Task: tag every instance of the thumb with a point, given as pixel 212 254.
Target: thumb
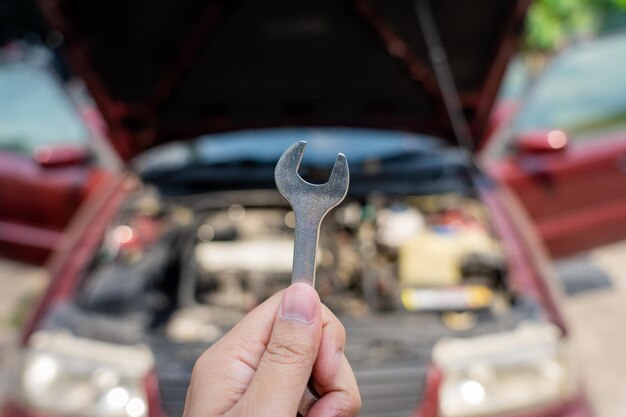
pixel 285 368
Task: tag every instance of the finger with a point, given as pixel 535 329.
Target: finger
pixel 222 373
pixel 339 398
pixel 286 365
pixel 331 347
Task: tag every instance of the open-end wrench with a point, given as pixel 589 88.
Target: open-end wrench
pixel 310 203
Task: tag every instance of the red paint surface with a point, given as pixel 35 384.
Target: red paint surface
pixel 38 202
pixel 577 197
pixel 83 238
pixel 155 407
pixel 529 269
pixel 429 406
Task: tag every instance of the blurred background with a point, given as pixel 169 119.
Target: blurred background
pixel 554 139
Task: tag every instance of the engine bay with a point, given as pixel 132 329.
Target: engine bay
pixel 194 268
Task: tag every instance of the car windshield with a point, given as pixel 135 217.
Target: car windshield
pixel 582 92
pixel 249 157
pixel 34 110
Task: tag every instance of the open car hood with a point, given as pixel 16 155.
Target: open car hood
pixel 164 70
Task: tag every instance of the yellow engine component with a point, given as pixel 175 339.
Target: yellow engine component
pixel 433 258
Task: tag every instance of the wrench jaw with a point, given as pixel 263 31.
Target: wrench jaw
pixel 288 180
pixel 286 172
pixel 337 185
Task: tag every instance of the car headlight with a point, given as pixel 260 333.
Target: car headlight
pixel 521 369
pixel 72 376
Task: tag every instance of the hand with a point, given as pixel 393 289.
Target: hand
pixel 262 366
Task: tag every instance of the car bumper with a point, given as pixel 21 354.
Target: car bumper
pixel 576 407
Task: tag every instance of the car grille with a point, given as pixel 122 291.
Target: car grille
pixel 387 391
pixel 173 389
pixel 389 358
pixel 390 364
pixel 390 391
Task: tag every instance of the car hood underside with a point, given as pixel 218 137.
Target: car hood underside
pixel 167 70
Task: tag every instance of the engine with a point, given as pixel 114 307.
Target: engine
pixel 210 261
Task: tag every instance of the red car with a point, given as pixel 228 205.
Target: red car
pixel 444 290
pixel 564 154
pixel 49 159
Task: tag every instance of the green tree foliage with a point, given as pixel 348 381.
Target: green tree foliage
pixel 551 23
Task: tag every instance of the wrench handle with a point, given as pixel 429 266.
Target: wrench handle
pixel 305 249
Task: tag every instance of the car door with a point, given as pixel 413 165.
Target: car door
pixel 43 177
pixel 574 183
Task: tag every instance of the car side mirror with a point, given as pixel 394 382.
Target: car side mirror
pixel 61 156
pixel 541 142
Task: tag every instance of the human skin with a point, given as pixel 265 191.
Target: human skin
pixel 262 366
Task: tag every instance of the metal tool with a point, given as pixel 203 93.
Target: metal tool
pixel 310 203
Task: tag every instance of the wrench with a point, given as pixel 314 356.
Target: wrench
pixel 310 203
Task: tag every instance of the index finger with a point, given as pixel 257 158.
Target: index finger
pixel 333 378
pixel 340 397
